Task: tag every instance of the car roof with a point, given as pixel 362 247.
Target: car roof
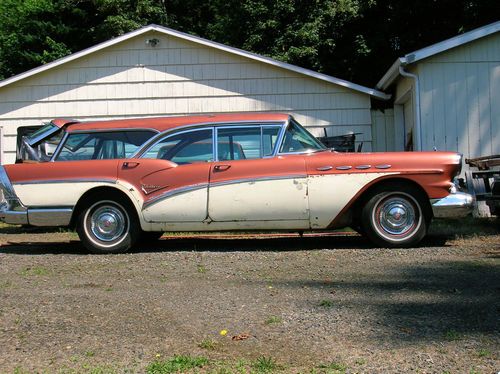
pixel 167 123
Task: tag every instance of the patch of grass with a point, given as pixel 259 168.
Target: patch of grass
pixel 265 365
pixel 201 269
pixel 272 320
pixel 99 369
pixel 326 303
pixel 360 361
pixel 35 271
pixel 334 367
pixel 5 284
pixel 209 344
pixel 452 335
pixel 483 353
pixel 108 289
pixel 176 364
pixel 89 354
pixel 20 370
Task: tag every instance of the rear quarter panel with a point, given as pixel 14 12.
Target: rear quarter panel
pixel 58 184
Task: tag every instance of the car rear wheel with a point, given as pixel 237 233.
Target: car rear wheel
pixel 396 216
pixel 108 225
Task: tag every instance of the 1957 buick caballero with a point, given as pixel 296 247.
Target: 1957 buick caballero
pixel 225 172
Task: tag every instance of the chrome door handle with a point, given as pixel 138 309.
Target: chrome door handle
pixel 221 167
pixel 130 165
pixel 325 168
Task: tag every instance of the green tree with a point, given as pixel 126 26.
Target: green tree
pixel 352 39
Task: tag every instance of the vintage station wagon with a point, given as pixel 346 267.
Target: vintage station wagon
pixel 260 171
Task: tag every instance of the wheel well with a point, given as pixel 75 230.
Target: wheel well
pixel 400 182
pixel 99 191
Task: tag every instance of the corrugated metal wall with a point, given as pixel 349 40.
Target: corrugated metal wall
pixel 132 79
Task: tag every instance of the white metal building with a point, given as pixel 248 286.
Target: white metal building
pixel 156 71
pixel 446 97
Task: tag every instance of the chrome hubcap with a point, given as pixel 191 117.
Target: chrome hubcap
pixel 397 216
pixel 108 223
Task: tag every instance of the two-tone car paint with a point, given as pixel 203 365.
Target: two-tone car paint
pixel 282 191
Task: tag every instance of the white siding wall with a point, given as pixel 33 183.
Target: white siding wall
pixel 132 79
pixel 460 96
pixel 383 130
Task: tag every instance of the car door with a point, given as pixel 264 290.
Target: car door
pixel 250 187
pixel 173 177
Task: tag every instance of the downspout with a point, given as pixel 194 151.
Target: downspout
pixel 418 131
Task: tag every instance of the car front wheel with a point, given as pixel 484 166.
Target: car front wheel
pixel 396 217
pixel 107 226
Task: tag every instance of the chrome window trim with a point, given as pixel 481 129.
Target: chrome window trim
pixel 67 134
pixel 250 126
pixel 116 129
pixel 160 139
pixel 155 138
pixel 300 152
pixel 276 145
pixel 59 147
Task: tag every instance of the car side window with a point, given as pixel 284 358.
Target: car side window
pixel 238 143
pixel 184 148
pixel 297 140
pixel 102 145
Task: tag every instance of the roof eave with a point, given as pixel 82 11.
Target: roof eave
pixel 390 75
pixel 453 42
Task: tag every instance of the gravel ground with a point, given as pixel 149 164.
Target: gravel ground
pixel 312 304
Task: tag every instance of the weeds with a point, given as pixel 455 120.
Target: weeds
pixel 35 271
pixel 326 303
pixel 176 364
pixel 265 365
pixel 272 320
pixel 452 335
pixel 483 353
pixel 201 269
pixel 334 367
pixel 209 344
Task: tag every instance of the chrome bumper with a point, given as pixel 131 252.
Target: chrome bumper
pixel 458 204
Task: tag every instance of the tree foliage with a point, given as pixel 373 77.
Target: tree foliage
pixel 352 39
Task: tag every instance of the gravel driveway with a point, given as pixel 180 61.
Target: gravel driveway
pixel 311 304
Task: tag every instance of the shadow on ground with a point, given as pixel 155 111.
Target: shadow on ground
pixel 212 244
pixel 441 301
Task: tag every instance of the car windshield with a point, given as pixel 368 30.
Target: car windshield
pixel 298 140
